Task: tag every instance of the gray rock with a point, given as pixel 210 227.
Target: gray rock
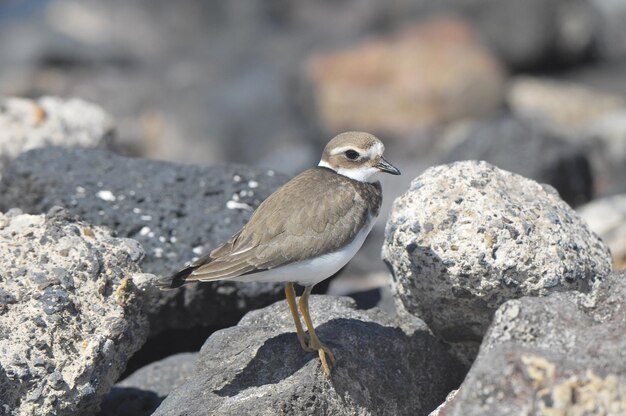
pixel 536 34
pixel 607 218
pixel 562 354
pixel 525 149
pixel 384 366
pixel 177 212
pixel 50 121
pixel 610 42
pixel 63 346
pixel 143 391
pixel 467 237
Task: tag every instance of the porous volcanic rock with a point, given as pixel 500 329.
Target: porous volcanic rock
pixel 177 212
pixel 523 148
pixel 466 237
pixel 561 354
pixel 71 312
pixel 384 366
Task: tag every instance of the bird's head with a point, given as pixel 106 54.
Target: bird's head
pixel 357 155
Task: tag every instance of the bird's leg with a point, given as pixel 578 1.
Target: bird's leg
pixel 290 293
pixel 315 343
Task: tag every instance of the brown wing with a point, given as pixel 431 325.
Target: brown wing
pixel 316 212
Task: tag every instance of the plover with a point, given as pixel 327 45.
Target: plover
pixel 304 232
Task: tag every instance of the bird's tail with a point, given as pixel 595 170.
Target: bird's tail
pixel 176 280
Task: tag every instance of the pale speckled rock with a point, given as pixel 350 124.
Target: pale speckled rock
pixel 564 354
pixel 177 212
pixel 607 218
pixel 521 147
pixel 50 121
pixel 143 391
pixel 385 366
pixel 71 313
pixel 466 237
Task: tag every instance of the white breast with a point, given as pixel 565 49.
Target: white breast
pixel 312 271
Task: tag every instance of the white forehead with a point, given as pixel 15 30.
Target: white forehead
pixel 373 151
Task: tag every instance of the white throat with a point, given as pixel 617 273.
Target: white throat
pixel 363 174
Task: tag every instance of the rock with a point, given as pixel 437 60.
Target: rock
pixel 71 315
pixel 586 116
pixel 563 354
pixel 50 121
pixel 536 34
pixel 605 140
pixel 607 218
pixel 562 106
pixel 427 75
pixel 384 366
pixel 467 237
pixel 177 212
pixel 525 149
pixel 442 406
pixel 610 39
pixel 144 390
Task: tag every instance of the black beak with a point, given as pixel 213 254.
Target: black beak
pixel 385 166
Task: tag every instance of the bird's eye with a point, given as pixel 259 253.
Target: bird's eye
pixel 351 154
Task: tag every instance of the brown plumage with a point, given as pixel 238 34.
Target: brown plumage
pixel 291 226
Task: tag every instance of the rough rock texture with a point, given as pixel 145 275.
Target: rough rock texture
pixel 560 355
pixel 607 218
pixel 384 366
pixel 523 148
pixel 467 237
pixel 429 74
pixel 50 121
pixel 143 391
pixel 70 312
pixel 177 212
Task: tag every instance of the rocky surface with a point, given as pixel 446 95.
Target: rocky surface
pixel 559 355
pixel 523 148
pixel 177 212
pixel 607 218
pixel 467 237
pixel 71 299
pixel 424 76
pixel 50 121
pixel 384 366
pixel 144 390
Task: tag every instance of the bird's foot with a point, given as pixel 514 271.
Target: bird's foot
pixel 305 342
pixel 323 351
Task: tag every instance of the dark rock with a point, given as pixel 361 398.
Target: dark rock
pixel 563 354
pixel 384 366
pixel 495 236
pixel 144 390
pixel 177 212
pixel 61 349
pixel 50 121
pixel 536 34
pixel 522 148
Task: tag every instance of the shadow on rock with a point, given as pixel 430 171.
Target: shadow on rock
pixel 281 353
pixel 129 401
pixel 369 355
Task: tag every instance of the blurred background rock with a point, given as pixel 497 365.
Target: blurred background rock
pixel 536 87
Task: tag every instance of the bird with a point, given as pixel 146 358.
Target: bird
pixel 304 232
